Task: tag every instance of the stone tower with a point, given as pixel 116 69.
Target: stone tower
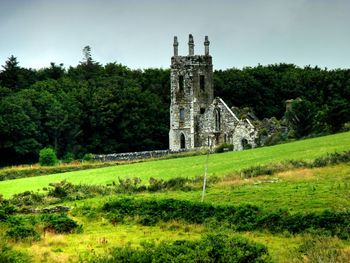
pixel 191 94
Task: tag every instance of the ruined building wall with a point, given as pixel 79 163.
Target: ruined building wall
pixel 191 91
pixel 196 118
pixel 244 133
pixel 216 125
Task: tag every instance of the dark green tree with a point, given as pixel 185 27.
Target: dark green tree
pixel 9 77
pixel 19 129
pixel 300 116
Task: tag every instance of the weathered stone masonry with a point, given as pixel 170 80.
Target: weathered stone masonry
pixel 196 118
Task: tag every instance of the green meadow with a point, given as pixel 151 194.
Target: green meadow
pixel 296 191
pixel 219 164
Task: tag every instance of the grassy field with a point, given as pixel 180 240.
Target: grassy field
pixel 298 190
pixel 99 235
pixel 219 164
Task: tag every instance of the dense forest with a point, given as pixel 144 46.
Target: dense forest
pixel 94 108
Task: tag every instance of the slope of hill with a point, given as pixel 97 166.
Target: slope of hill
pixel 297 215
pixel 219 164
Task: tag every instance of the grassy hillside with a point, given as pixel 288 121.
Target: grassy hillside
pixel 219 164
pixel 300 195
pixel 297 191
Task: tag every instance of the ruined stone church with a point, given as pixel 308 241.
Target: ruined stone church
pixel 197 119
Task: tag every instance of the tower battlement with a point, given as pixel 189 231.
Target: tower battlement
pixel 191 46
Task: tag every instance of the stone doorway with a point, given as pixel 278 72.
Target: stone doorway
pixel 182 141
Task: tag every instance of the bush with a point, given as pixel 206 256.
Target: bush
pixel 241 218
pixel 6 210
pixel 60 223
pixel 178 183
pixel 245 217
pixel 61 189
pixel 8 255
pixel 223 147
pixel 88 157
pixel 269 169
pixel 275 138
pixel 331 159
pixel 156 185
pixel 320 249
pixel 47 157
pixel 68 158
pixel 23 232
pixel 22 220
pixel 129 185
pixel 212 248
pixel 27 198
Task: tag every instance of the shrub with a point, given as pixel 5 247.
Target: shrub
pixel 320 249
pixel 60 223
pixel 27 198
pixel 47 157
pixel 212 248
pixel 331 159
pixel 274 221
pixel 129 185
pixel 68 157
pixel 22 220
pixel 241 218
pixel 9 255
pixel 156 185
pixel 61 189
pixel 23 232
pixel 148 220
pixel 223 147
pixel 276 138
pixel 88 157
pixel 245 217
pixel 254 171
pixel 6 210
pixel 269 169
pixel 178 183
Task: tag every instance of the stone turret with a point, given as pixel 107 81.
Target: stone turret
pixel 190 45
pixel 176 44
pixel 206 46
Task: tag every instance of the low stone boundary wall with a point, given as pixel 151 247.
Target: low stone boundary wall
pixel 132 155
pixel 55 209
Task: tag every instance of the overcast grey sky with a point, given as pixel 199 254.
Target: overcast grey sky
pixel 139 34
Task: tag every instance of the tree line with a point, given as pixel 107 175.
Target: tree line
pixel 321 97
pixel 95 108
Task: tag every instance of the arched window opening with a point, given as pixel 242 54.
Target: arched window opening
pixel 202 82
pixel 182 141
pixel 217 120
pixel 182 115
pixel 245 144
pixel 225 138
pixel 181 83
